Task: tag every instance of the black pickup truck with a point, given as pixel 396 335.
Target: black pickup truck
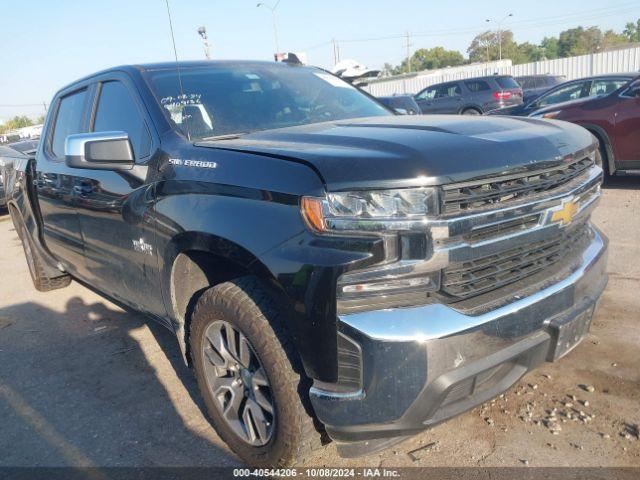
pixel 330 269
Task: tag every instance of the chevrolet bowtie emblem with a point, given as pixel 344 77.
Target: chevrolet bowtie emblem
pixel 566 214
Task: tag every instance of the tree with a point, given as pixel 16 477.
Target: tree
pixel 549 46
pixel 528 52
pixel 438 57
pixel 579 41
pixel 484 47
pixel 429 59
pixel 40 119
pixel 632 31
pixel 18 121
pixel 613 39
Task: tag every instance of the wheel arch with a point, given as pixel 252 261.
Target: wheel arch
pixel 603 137
pixel 198 261
pixel 475 107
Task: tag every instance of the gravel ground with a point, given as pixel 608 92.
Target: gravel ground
pixel 84 383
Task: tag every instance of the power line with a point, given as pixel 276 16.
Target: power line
pixel 535 23
pixel 21 105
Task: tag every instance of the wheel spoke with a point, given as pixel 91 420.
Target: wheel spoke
pixel 263 401
pixel 260 378
pixel 220 386
pixel 232 346
pixel 245 351
pixel 219 346
pixel 255 422
pixel 232 410
pixel 214 357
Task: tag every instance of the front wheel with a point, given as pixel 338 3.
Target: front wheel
pixel 249 375
pixel 471 111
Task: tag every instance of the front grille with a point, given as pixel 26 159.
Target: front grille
pixel 466 279
pixel 462 197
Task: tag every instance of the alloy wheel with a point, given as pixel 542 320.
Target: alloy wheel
pixel 239 383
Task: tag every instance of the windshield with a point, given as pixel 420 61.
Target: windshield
pixel 227 100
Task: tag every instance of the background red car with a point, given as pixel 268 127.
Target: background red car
pixel 614 119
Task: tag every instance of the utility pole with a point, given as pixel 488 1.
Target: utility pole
pixel 499 24
pixel 202 31
pixel 335 51
pixel 408 53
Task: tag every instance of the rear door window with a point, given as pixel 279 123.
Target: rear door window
pixel 507 83
pixel 117 111
pixel 68 120
pixel 449 90
pixel 477 86
pixel 606 86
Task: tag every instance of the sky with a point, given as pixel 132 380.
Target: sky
pixel 45 45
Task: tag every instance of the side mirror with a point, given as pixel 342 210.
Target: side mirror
pixel 634 91
pixel 401 111
pixel 99 151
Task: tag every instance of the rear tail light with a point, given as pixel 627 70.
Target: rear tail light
pixel 507 94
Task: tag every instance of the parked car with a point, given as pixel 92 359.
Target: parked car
pixel 28 147
pixel 571 90
pixel 472 96
pixel 8 154
pixel 535 85
pixel 401 104
pixel 614 119
pixel 325 265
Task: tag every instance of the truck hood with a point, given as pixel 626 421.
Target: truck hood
pixel 402 151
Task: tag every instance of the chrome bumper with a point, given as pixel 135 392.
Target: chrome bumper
pixel 425 364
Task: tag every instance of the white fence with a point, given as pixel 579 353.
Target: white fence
pixel 611 61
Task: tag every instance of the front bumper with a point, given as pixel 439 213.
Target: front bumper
pixel 425 364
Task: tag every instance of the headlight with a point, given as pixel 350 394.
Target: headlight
pixel 370 211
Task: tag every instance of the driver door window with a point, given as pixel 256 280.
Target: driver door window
pixel 564 94
pixel 118 112
pixel 428 94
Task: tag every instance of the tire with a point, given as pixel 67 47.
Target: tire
pixel 602 160
pixel 41 281
pixel 471 111
pixel 242 306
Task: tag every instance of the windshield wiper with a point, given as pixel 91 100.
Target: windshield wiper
pixel 228 136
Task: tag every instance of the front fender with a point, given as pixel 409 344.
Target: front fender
pixel 263 232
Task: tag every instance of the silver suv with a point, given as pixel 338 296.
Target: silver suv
pixel 472 96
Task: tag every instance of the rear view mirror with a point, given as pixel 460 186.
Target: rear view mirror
pixel 99 151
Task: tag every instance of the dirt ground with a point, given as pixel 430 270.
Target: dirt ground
pixel 84 383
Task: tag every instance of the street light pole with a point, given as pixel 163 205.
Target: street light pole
pixel 499 24
pixel 273 19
